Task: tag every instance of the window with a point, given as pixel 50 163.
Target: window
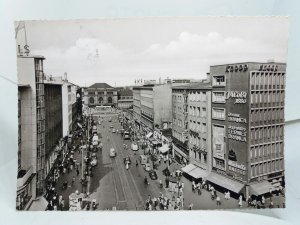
pixel 203 112
pixel 100 100
pixel 219 80
pixel 218 97
pixel 91 100
pixel 109 100
pixel 204 127
pixel 219 163
pixel 198 111
pixel 218 113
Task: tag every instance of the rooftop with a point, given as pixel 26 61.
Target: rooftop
pixel 100 85
pixel 271 62
pixel 194 86
pixel 125 92
pixel 167 132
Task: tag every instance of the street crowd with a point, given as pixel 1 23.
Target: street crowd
pixel 67 171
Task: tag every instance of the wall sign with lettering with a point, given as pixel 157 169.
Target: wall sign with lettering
pixel 268 67
pixel 236 68
pixel 240 97
pixel 237 133
pixel 235 117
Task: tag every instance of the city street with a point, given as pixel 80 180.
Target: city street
pixel 115 187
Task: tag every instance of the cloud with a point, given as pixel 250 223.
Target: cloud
pixel 91 60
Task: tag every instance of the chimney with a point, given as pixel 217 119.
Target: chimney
pixel 66 77
pixel 208 77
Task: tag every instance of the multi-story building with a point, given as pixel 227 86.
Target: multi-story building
pixel 180 127
pixel 191 127
pixel 199 121
pixel 125 98
pixel 40 131
pixel 53 124
pixel 100 94
pixel 248 126
pixel 150 109
pixel 32 153
pixel 137 107
pixel 70 94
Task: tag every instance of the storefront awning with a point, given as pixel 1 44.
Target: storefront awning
pixel 260 188
pixel 164 148
pixel 198 173
pixel 149 135
pixel 225 182
pixel 188 168
pixel 39 204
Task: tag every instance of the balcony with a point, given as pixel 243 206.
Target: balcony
pixel 23 177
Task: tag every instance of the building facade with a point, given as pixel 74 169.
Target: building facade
pixel 53 123
pixel 199 120
pixel 248 127
pixel 180 132
pixel 137 106
pixel 100 94
pixel 150 109
pixel 125 99
pixel 31 175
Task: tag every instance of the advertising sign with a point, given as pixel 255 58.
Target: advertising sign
pixel 218 142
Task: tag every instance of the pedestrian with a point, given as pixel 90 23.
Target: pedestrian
pixel 271 204
pixel 127 165
pixel 73 180
pixel 218 199
pixel 62 204
pixel 199 189
pixel 191 206
pixel 136 163
pixel 193 186
pixel 263 200
pixel 77 172
pixel 240 201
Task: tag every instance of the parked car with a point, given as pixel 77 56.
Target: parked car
pixel 111 126
pixel 127 159
pixel 143 159
pixel 126 135
pixel 147 167
pixel 113 131
pixel 112 152
pixel 153 175
pixel 134 147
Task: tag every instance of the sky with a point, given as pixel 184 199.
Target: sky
pixel 119 51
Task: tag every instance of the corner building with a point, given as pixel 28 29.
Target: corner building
pixel 248 127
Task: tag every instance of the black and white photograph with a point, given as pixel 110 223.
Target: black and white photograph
pixel 151 114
